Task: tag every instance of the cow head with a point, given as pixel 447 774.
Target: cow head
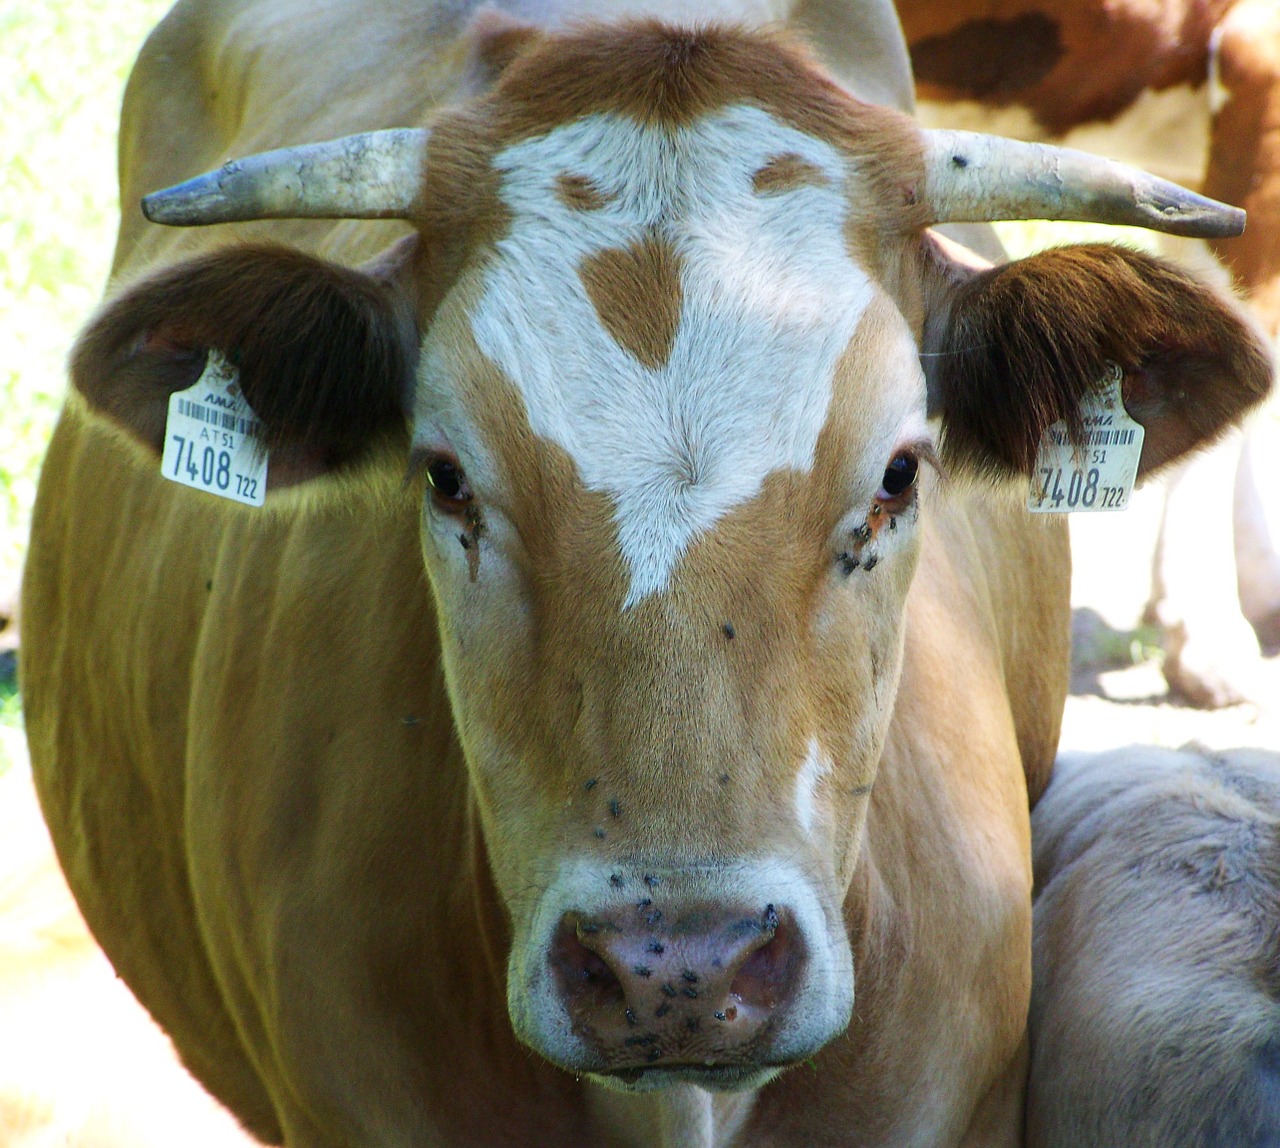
pixel 657 342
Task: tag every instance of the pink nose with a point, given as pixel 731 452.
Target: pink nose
pixel 679 985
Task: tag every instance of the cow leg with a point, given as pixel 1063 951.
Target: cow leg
pixel 1257 528
pixel 1244 148
pixel 1244 166
pixel 1211 652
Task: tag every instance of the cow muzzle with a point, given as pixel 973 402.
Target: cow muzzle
pixel 646 978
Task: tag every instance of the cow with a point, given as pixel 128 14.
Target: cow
pixel 645 629
pixel 1155 1014
pixel 1188 89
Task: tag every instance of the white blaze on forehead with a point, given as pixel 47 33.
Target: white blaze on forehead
pixel 770 300
pixel 813 769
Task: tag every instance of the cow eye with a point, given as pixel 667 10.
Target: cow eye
pixel 899 476
pixel 448 485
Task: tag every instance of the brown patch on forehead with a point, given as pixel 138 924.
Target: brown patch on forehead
pixel 637 295
pixel 462 213
pixel 658 74
pixel 785 173
pixel 579 193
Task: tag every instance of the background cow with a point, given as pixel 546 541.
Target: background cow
pixel 1190 90
pixel 714 689
pixel 1155 1015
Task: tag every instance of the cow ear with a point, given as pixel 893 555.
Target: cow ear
pixel 325 353
pixel 1011 349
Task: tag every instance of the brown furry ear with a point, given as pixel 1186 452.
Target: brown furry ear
pixel 1018 347
pixel 325 353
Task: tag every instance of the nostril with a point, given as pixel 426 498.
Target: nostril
pixel 765 977
pixel 712 978
pixel 584 975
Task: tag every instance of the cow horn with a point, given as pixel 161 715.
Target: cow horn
pixel 375 175
pixel 971 178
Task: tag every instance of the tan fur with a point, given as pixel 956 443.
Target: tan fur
pixel 1244 162
pixel 315 870
pixel 81 1064
pixel 579 193
pixel 636 293
pixel 1156 1013
pixel 785 173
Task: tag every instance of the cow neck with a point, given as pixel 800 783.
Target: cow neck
pixel 684 1116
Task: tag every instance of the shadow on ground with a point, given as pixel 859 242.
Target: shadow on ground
pixel 1098 649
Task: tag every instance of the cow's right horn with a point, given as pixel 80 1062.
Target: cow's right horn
pixel 375 175
pixel 971 178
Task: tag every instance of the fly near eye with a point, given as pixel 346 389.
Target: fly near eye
pixel 448 484
pixel 899 476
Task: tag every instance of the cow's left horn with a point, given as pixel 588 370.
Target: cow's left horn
pixel 375 175
pixel 971 178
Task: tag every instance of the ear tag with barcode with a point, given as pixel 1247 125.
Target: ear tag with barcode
pixel 1097 474
pixel 212 440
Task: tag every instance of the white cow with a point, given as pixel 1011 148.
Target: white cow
pixel 1155 1008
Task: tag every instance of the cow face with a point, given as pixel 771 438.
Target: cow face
pixel 713 701
pixel 673 422
pixel 657 343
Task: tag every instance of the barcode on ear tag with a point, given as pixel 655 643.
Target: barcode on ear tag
pixel 1099 473
pixel 212 441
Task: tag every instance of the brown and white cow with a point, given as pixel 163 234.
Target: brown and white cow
pixel 1190 89
pixel 1155 1014
pixel 556 793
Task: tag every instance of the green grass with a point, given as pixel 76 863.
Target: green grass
pixel 10 704
pixel 62 73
